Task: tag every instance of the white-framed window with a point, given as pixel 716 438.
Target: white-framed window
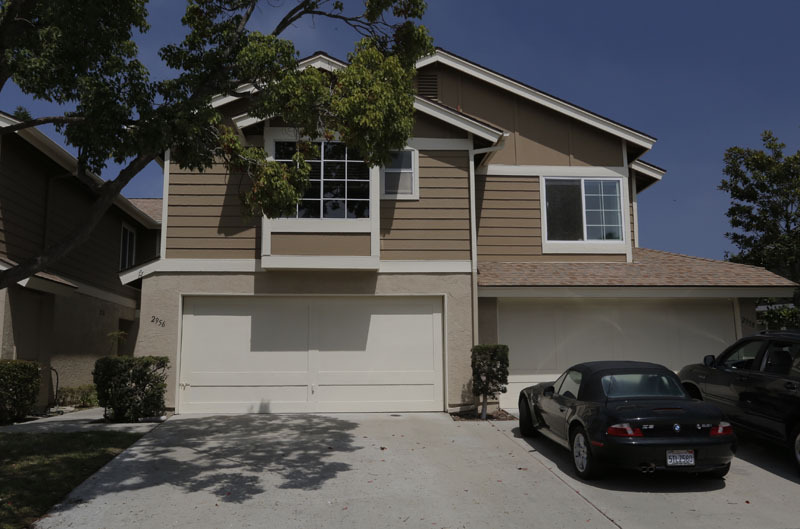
pixel 339 186
pixel 400 177
pixel 127 250
pixel 583 214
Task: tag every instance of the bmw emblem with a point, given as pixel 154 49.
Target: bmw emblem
pixel 676 428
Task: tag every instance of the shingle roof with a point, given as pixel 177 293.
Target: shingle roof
pixel 150 206
pixel 650 268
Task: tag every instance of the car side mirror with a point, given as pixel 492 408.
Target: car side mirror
pixel 548 391
pixel 708 360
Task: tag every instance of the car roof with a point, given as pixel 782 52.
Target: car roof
pixel 789 333
pixel 613 365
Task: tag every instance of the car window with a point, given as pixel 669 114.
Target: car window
pixel 744 356
pixel 571 385
pixel 780 358
pixel 641 385
pixel 557 383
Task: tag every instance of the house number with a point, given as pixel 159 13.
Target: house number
pixel 158 321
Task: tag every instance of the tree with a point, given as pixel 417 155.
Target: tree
pixel 764 186
pixel 81 53
pixel 489 372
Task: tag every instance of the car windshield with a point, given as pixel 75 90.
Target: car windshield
pixel 639 385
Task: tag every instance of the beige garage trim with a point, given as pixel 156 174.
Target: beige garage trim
pixel 546 336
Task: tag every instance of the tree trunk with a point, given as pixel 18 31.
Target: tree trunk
pixel 484 405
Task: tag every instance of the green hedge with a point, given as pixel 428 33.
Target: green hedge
pixel 489 372
pixel 19 387
pixel 80 397
pixel 131 388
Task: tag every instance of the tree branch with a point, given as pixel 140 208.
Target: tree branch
pixel 55 120
pixel 294 14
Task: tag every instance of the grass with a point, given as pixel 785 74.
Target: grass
pixel 37 470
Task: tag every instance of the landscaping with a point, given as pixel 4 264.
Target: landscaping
pixel 37 470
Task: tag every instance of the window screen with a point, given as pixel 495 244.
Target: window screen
pixel 564 216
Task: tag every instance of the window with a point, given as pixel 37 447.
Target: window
pixel 640 385
pixel 127 252
pixel 780 356
pixel 743 356
pixel 572 385
pixel 400 176
pixel 583 209
pixel 338 182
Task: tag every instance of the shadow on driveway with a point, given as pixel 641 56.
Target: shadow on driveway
pixel 771 457
pixel 232 457
pixel 624 480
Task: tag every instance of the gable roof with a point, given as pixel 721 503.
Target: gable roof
pixel 150 206
pixel 650 268
pixel 63 158
pixel 452 60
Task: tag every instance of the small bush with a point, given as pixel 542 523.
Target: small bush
pixel 131 388
pixel 80 397
pixel 489 372
pixel 19 387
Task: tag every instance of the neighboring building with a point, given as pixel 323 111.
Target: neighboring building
pixel 62 318
pixel 511 217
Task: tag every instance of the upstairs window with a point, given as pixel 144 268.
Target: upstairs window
pixel 338 182
pixel 400 176
pixel 583 209
pixel 127 253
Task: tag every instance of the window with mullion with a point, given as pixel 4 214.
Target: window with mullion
pixel 583 209
pixel 338 183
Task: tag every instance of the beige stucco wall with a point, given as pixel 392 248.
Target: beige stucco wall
pixel 487 320
pixel 161 297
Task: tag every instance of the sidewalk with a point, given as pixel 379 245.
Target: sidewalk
pixel 77 421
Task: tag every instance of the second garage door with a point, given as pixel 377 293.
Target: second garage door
pixel 321 354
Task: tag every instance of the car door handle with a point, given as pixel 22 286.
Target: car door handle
pixel 791 386
pixel 702 377
pixel 562 409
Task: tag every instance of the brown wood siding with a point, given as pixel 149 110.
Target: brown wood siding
pixel 204 216
pixel 322 244
pixel 539 135
pixel 428 127
pixel 437 225
pixel 29 220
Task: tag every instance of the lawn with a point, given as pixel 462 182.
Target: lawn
pixel 37 470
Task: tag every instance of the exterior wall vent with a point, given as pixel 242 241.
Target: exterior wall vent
pixel 428 85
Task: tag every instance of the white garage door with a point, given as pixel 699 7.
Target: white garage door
pixel 320 354
pixel 545 337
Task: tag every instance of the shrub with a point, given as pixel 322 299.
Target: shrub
pixel 131 388
pixel 489 372
pixel 19 387
pixel 81 397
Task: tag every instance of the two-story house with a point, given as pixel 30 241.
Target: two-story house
pixel 63 318
pixel 511 216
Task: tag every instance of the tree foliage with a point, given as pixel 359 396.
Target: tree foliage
pixel 82 54
pixel 489 372
pixel 764 187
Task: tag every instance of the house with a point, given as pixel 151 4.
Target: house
pixel 510 217
pixel 62 318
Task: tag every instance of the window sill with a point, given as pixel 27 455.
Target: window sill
pixel 588 247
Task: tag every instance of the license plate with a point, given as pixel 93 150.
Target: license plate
pixel 680 458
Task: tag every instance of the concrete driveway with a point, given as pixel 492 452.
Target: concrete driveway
pixel 398 470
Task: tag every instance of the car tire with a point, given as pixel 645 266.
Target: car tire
pixel 719 473
pixel 526 428
pixel 581 451
pixel 794 441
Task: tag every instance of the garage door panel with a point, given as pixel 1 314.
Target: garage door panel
pixel 312 354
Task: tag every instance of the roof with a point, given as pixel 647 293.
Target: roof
pixel 533 94
pixel 150 206
pixel 650 268
pixel 6 263
pixel 63 158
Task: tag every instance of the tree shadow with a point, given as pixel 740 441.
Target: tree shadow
pixel 234 458
pixel 624 480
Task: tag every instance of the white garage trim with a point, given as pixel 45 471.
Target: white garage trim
pixel 336 381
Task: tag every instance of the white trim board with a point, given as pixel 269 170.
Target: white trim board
pixel 634 292
pixel 536 96
pixel 647 169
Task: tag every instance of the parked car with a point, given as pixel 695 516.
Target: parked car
pixel 756 384
pixel 632 415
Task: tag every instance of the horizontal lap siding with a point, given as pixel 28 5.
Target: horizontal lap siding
pixel 204 216
pixel 509 218
pixel 436 226
pixel 322 244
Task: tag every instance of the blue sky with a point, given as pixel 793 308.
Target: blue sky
pixel 699 76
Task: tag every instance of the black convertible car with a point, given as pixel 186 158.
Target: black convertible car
pixel 629 415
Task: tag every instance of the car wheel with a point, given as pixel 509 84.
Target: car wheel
pixel 582 458
pixel 795 440
pixel 720 472
pixel 526 428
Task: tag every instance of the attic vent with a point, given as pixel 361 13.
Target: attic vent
pixel 428 85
